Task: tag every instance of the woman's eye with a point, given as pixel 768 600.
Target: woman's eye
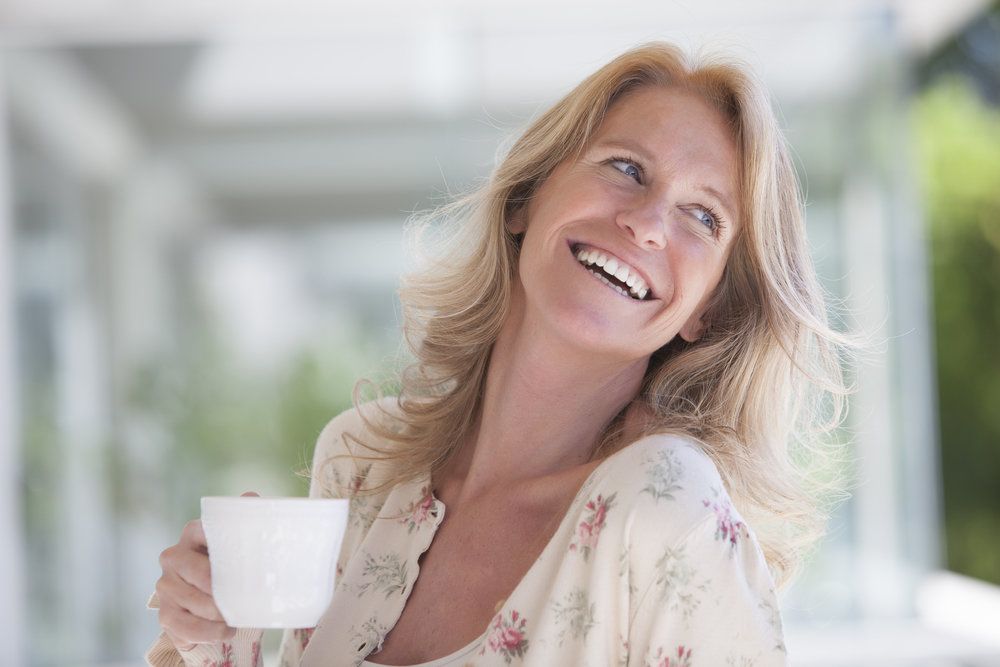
pixel 705 217
pixel 628 168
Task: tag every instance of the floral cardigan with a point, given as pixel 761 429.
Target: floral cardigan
pixel 650 566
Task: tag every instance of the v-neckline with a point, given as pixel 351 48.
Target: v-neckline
pixel 553 539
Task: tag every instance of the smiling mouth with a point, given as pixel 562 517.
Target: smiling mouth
pixel 609 272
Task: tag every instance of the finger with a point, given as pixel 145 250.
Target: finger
pixel 174 589
pixel 189 564
pixel 246 494
pixel 184 628
pixel 193 535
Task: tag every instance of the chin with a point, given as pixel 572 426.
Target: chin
pixel 594 330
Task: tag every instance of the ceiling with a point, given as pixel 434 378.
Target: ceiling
pixel 311 110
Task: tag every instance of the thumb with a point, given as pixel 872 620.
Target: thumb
pixel 249 493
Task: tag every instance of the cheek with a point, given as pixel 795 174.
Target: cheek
pixel 579 200
pixel 696 269
pixel 694 260
pixel 532 264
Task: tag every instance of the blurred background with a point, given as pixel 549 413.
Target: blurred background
pixel 201 213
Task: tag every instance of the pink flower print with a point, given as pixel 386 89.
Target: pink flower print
pixel 227 657
pixel 304 635
pixel 507 637
pixel 356 482
pixel 589 530
pixel 255 658
pixel 682 659
pixel 726 527
pixel 508 640
pixel 420 511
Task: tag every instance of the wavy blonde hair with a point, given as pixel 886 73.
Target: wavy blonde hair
pixel 757 391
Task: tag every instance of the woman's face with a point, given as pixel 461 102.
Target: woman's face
pixel 655 191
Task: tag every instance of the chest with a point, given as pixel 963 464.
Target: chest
pixel 475 561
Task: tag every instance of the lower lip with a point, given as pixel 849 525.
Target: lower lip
pixel 599 281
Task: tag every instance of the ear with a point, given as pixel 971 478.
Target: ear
pixel 516 223
pixel 699 321
pixel 694 327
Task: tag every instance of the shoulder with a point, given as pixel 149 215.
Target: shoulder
pixel 690 552
pixel 339 459
pixel 668 483
pixel 676 499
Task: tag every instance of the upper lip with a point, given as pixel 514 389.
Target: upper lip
pixel 628 258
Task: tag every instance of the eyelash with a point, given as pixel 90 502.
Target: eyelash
pixel 718 222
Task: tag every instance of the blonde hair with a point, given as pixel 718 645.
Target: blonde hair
pixel 757 390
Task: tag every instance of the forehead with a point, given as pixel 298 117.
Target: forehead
pixel 676 129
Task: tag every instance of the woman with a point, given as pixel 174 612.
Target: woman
pixel 610 362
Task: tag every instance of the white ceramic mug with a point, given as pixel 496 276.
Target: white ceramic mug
pixel 273 560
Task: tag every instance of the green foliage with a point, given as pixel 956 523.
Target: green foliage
pixel 230 428
pixel 960 162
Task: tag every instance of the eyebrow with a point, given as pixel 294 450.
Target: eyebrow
pixel 645 155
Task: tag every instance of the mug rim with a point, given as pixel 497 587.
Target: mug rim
pixel 273 499
pixel 215 504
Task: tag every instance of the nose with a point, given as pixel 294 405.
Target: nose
pixel 645 224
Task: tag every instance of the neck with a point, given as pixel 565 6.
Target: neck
pixel 544 408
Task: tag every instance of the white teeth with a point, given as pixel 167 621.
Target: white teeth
pixel 637 287
pixel 611 284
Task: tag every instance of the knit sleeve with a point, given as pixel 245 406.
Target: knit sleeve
pixel 241 651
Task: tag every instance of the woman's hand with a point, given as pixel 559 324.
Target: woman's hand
pixel 188 614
